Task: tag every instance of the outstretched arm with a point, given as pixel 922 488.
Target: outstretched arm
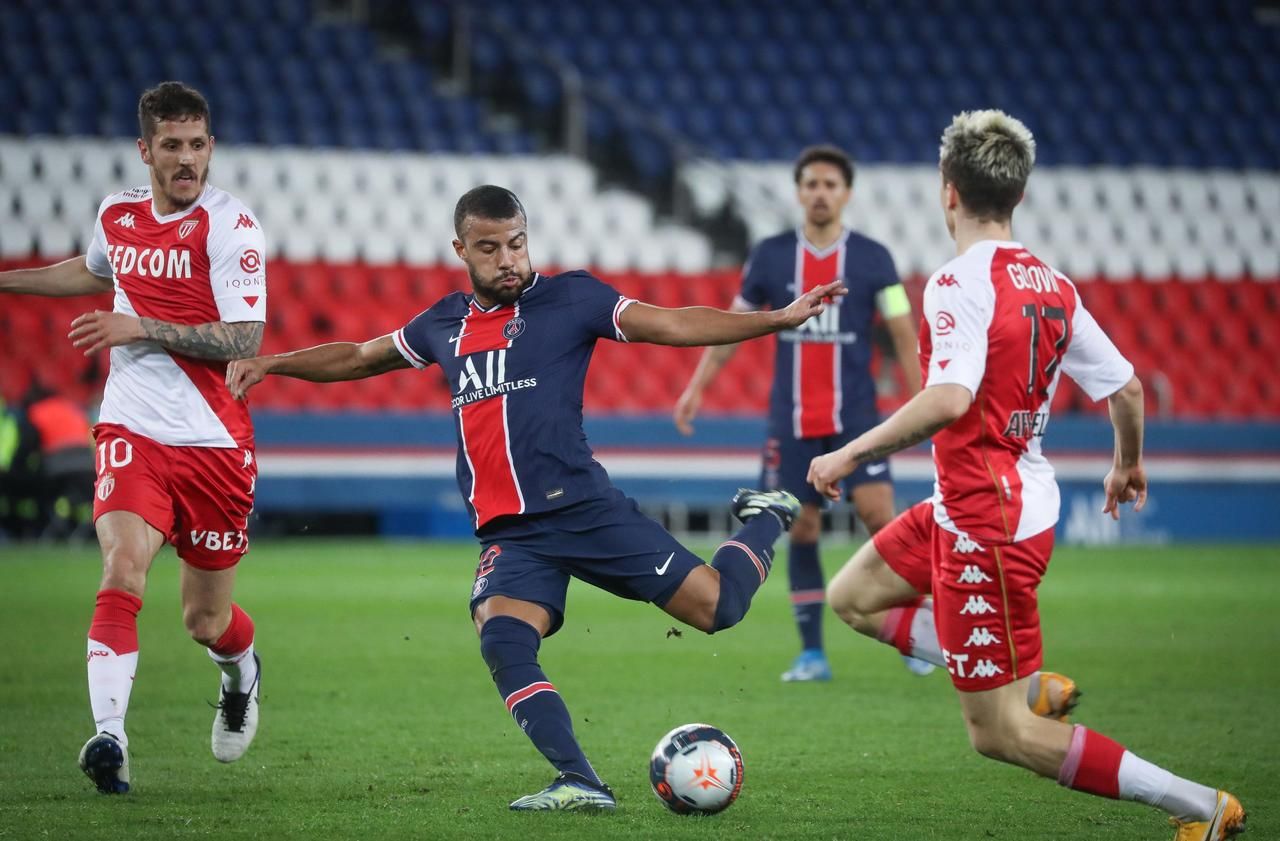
pixel 929 411
pixel 713 359
pixel 1127 481
pixel 96 330
pixel 693 326
pixel 320 364
pixel 61 280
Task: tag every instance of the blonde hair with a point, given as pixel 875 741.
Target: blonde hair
pixel 987 156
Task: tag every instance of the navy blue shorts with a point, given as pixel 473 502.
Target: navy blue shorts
pixel 606 542
pixel 786 464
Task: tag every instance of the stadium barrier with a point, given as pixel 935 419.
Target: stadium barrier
pixel 1211 481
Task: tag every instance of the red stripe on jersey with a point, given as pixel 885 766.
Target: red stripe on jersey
pixel 817 364
pixel 526 693
pixel 482 330
pixel 485 442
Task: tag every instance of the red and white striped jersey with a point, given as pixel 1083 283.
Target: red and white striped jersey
pixel 206 263
pixel 1004 325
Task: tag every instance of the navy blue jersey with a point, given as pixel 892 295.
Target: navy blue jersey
pixel 516 374
pixel 822 381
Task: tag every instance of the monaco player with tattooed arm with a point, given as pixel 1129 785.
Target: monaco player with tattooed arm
pixel 1000 327
pixel 515 354
pixel 175 457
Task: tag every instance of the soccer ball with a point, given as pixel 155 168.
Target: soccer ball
pixel 696 769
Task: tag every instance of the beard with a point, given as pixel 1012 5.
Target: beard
pixel 496 292
pixel 183 201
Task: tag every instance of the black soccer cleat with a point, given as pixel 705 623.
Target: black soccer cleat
pixel 105 761
pixel 748 503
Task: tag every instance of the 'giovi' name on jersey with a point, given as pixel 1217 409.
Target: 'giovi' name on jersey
pixel 486 378
pixel 824 327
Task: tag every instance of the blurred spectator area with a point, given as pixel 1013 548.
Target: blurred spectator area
pixel 1204 349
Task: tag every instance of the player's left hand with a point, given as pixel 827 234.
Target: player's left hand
pixel 826 471
pixel 1125 484
pixel 97 330
pixel 814 302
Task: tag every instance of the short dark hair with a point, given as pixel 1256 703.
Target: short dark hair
pixel 170 101
pixel 486 202
pixel 826 154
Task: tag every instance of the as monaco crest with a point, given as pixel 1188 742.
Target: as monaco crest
pixel 105 486
pixel 187 227
pixel 513 328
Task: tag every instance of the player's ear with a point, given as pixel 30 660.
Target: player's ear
pixel 145 151
pixel 460 250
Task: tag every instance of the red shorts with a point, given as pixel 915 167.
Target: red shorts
pixel 906 545
pixel 199 498
pixel 984 607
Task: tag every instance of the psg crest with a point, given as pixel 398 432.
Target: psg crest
pixel 513 328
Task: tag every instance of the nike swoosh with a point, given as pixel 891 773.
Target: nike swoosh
pixel 457 337
pixel 662 570
pixel 876 469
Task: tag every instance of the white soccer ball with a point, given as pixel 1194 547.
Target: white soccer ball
pixel 696 769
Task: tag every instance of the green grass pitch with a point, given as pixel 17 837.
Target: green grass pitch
pixel 379 719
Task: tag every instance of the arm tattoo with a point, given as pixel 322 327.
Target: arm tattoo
pixel 212 340
pixel 908 440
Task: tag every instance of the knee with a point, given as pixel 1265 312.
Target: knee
pixel 875 519
pixel 1001 740
pixel 846 606
pixel 506 641
pixel 703 613
pixel 205 625
pixel 124 569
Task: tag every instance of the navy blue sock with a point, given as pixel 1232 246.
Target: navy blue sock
pixel 744 561
pixel 510 647
pixel 804 573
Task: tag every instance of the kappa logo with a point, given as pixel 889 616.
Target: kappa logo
pixel 244 222
pixel 985 668
pixel 976 606
pixel 513 328
pixel 948 280
pixel 981 636
pixel 248 458
pixel 106 485
pixel 965 546
pixel 125 221
pixel 973 575
pixel 187 227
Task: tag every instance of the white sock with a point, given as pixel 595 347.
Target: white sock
pixel 239 671
pixel 1147 783
pixel 924 635
pixel 110 682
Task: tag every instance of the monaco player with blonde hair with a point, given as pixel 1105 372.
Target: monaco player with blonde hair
pixel 1000 328
pixel 175 457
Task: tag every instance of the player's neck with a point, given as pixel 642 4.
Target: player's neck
pixel 822 236
pixel 970 231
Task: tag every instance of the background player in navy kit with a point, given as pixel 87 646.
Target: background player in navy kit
pixel 516 352
pixel 823 392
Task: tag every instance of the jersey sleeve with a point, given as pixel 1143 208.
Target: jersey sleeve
pixel 958 313
pixel 95 256
pixel 411 341
pixel 597 305
pixel 1091 360
pixel 238 265
pixel 891 297
pixel 754 292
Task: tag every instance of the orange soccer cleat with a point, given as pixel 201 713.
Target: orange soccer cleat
pixel 1052 695
pixel 1228 821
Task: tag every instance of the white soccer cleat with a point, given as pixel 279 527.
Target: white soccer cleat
pixel 236 721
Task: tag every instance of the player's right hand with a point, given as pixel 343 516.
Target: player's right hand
pixel 1125 484
pixel 814 302
pixel 686 410
pixel 244 374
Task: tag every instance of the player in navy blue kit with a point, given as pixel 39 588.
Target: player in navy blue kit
pixel 515 352
pixel 823 392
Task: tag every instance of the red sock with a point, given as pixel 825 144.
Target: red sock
pixel 1092 764
pixel 115 621
pixel 896 630
pixel 237 637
